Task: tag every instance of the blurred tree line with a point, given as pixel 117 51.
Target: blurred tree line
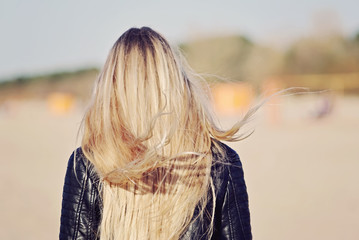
pixel 334 54
pixel 77 83
pixel 318 62
pixel 238 58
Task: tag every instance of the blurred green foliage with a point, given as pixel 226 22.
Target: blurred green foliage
pixel 78 83
pixel 56 76
pixel 234 58
pixel 231 58
pixel 237 58
pixel 333 54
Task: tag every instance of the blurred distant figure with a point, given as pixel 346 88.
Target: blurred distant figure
pixel 7 108
pixel 324 108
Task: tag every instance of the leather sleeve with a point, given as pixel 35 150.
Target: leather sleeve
pixel 235 223
pixel 80 212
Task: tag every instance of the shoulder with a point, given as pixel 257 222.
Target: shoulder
pixel 224 154
pixel 78 157
pixel 226 166
pixel 232 219
pixel 231 163
pixel 80 167
pixel 81 202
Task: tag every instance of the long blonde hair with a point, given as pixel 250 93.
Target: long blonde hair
pixel 150 137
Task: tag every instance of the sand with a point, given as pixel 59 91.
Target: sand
pixel 301 173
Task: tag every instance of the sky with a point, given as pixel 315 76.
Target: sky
pixel 46 36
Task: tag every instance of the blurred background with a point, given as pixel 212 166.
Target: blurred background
pixel 302 162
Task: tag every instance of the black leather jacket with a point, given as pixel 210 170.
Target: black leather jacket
pixel 81 203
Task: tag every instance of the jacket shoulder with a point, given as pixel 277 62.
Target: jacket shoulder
pixel 81 204
pixel 223 153
pixel 232 218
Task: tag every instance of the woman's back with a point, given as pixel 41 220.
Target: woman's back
pixel 82 207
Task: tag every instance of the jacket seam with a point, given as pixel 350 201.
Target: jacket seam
pixel 229 212
pixel 236 203
pixel 91 212
pixel 79 209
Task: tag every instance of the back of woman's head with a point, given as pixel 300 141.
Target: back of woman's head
pixel 144 107
pixel 148 135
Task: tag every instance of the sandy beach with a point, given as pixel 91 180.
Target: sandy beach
pixel 301 172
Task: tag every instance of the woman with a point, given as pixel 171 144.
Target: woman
pixel 151 164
